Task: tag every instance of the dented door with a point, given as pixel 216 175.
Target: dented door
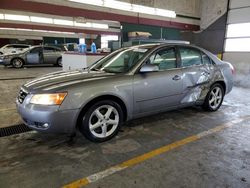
pixel 196 74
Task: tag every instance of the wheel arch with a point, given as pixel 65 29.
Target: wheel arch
pixel 18 58
pixel 222 83
pixel 101 98
pixel 58 58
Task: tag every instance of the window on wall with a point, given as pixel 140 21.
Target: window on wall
pixel 238 38
pixel 106 38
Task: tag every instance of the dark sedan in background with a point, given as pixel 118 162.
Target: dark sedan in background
pixel 33 56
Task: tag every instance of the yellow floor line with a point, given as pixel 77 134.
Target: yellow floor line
pixel 136 160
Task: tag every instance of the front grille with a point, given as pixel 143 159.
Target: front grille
pixel 21 96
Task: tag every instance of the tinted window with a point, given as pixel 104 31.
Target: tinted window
pixel 206 59
pixel 49 49
pixel 164 59
pixel 36 50
pixel 17 46
pixel 190 57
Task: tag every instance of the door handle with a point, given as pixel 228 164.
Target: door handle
pixel 176 77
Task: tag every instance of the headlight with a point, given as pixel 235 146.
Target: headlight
pixel 48 99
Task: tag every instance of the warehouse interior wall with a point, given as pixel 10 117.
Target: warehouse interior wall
pixel 211 38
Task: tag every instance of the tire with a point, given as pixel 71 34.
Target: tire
pixel 59 62
pixel 17 63
pixel 214 98
pixel 95 126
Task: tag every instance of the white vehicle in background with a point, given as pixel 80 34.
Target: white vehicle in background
pixel 13 48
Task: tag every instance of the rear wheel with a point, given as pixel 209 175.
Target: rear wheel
pixel 102 121
pixel 59 62
pixel 17 63
pixel 214 98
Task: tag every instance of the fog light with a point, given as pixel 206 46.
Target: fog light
pixel 45 125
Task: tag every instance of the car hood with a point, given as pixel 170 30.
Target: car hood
pixel 62 79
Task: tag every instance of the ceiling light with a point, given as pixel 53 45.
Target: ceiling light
pixel 17 17
pixel 117 5
pixel 165 13
pixel 143 9
pixel 41 19
pixel 100 26
pixel 90 2
pixel 128 7
pixel 77 24
pixel 1 16
pixel 63 22
pixel 36 30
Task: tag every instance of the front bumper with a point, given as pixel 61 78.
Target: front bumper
pixel 48 119
pixel 5 62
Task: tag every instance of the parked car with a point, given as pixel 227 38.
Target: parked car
pixel 129 83
pixel 33 56
pixel 13 48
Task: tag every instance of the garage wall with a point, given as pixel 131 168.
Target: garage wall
pixel 239 54
pixel 211 11
pixel 212 38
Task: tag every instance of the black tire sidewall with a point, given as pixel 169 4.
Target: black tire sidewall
pixel 58 62
pixel 84 125
pixel 206 104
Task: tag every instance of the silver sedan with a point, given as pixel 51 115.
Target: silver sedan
pixel 34 55
pixel 129 83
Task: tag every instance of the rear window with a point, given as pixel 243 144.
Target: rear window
pixel 190 57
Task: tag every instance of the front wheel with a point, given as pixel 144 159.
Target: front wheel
pixel 102 121
pixel 214 98
pixel 17 63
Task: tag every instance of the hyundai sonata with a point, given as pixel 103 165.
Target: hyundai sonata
pixel 126 84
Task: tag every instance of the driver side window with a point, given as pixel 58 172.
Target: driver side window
pixel 165 59
pixel 36 50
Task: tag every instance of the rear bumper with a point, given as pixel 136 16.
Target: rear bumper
pixel 48 119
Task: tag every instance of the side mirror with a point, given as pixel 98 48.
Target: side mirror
pixel 149 68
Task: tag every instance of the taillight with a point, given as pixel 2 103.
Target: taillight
pixel 232 68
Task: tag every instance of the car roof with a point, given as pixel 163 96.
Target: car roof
pixel 155 45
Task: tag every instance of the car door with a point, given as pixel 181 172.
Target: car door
pixel 35 56
pixel 49 55
pixel 159 90
pixel 195 73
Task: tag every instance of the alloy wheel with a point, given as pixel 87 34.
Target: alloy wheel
pixel 215 97
pixel 104 121
pixel 17 63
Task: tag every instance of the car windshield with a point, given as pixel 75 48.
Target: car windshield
pixel 120 61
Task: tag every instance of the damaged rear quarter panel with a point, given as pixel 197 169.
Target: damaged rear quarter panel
pixel 197 81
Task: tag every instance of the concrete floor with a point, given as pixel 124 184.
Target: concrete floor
pixel 10 86
pixel 220 160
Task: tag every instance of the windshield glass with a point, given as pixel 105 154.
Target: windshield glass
pixel 120 61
